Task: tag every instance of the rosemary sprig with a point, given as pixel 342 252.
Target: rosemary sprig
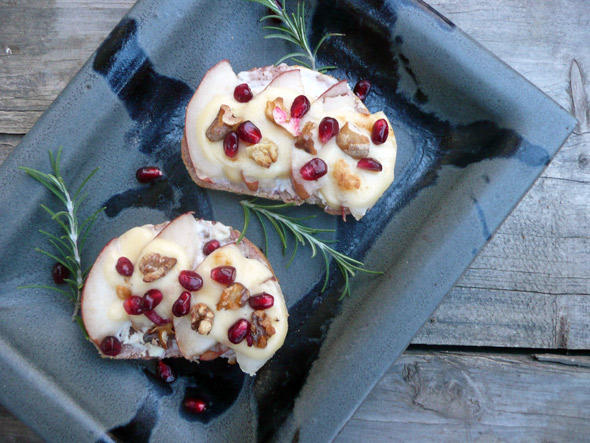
pixel 292 29
pixel 303 234
pixel 68 246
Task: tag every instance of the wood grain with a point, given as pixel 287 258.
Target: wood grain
pixel 475 397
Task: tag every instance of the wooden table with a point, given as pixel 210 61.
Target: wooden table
pixel 505 356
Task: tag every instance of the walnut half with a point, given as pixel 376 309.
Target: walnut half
pixel 202 318
pixel 305 139
pixel 234 296
pixel 353 142
pixel 223 124
pixel 261 328
pixel 153 266
pixel 264 153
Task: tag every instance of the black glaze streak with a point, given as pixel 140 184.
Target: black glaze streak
pixel 139 429
pixel 156 103
pixel 482 218
pixel 364 54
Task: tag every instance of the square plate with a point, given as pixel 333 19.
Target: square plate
pixel 472 134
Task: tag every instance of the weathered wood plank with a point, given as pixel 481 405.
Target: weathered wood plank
pixel 7 144
pixel 13 430
pixel 530 285
pixel 42 45
pixel 474 397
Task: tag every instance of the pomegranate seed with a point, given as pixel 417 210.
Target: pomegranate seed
pixel 151 299
pixel 165 372
pixel 248 132
pixel 211 246
pixel 261 301
pixel 370 164
pixel 300 106
pixel 110 346
pixel 194 405
pixel 182 305
pixel 329 128
pixel 243 93
pixel 362 89
pixel 59 273
pixel 133 305
pixel 154 317
pixel 380 131
pixel 230 144
pixel 314 169
pixel 124 266
pixel 190 280
pixel 148 174
pixel 224 274
pixel 238 331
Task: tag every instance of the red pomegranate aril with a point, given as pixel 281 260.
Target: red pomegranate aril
pixel 211 246
pixel 300 106
pixel 133 305
pixel 314 169
pixel 261 301
pixel 190 280
pixel 165 372
pixel 248 132
pixel 231 142
pixel 151 299
pixel 369 164
pixel 238 331
pixel 224 274
pixel 362 89
pixel 194 405
pixel 156 319
pixel 243 93
pixel 124 267
pixel 110 346
pixel 182 305
pixel 328 128
pixel 59 273
pixel 148 174
pixel 380 131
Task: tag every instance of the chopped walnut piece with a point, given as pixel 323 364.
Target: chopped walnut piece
pixel 235 296
pixel 202 318
pixel 153 266
pixel 264 153
pixel 261 328
pixel 305 139
pixel 223 124
pixel 123 292
pixel 164 334
pixel 345 179
pixel 353 142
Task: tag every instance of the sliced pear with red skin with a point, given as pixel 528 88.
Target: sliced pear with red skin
pixel 251 184
pixel 102 309
pixel 340 97
pixel 219 80
pixel 287 80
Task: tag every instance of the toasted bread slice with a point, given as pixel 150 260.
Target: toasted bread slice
pixel 271 165
pixel 161 255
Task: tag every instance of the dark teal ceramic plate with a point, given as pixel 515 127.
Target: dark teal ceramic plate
pixel 473 136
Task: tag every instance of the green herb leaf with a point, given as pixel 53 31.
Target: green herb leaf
pixel 305 235
pixel 292 29
pixel 68 246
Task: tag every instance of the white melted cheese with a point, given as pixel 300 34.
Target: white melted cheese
pixel 257 278
pixel 213 164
